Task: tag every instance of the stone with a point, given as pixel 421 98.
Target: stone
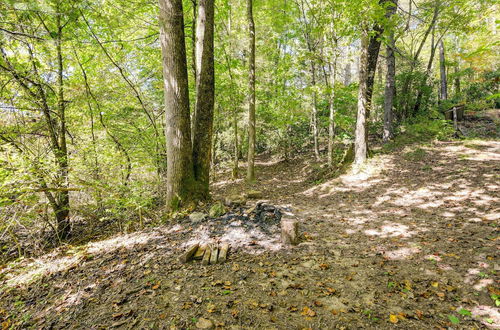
pixel 235 200
pixel 196 217
pixel 254 194
pixel 204 324
pixel 217 210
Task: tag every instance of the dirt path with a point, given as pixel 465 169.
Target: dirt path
pixel 411 246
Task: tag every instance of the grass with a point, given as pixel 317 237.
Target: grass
pixel 416 155
pixel 420 131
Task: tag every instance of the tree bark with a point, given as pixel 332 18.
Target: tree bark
pixel 331 117
pixel 314 115
pixel 180 177
pixel 251 91
pixel 443 95
pixel 360 147
pixel 390 90
pixel 61 153
pixel 390 83
pixel 370 48
pixel 347 74
pixel 205 87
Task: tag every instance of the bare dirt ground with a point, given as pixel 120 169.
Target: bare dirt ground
pixel 410 242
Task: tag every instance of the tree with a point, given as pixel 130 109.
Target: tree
pixel 390 80
pixel 181 186
pixel 205 88
pixel 49 100
pixel 251 93
pixel 370 47
pixel 443 95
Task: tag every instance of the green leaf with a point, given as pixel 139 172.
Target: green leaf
pixel 464 312
pixel 453 319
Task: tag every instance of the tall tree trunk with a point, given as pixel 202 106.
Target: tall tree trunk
pixel 331 117
pixel 405 103
pixel 457 82
pixel 443 95
pixel 61 153
pixel 370 48
pixel 194 3
pixel 180 177
pixel 360 147
pixel 390 82
pixel 251 91
pixel 314 115
pixel 347 73
pixel 390 89
pixel 234 113
pixel 423 82
pixel 205 86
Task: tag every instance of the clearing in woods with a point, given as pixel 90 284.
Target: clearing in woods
pixel 411 242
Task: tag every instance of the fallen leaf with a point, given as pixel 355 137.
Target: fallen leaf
pixel 393 318
pixel 306 311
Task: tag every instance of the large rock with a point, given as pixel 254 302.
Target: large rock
pixel 196 217
pixel 204 324
pixel 217 210
pixel 235 200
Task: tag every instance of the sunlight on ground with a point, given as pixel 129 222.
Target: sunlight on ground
pixel 391 230
pixel 356 179
pixel 254 240
pixel 488 315
pixel 40 267
pixel 123 241
pixel 51 263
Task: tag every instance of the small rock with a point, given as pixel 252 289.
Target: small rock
pixel 217 210
pixel 196 217
pixel 204 324
pixel 254 194
pixel 235 200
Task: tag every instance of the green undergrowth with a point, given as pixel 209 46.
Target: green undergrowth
pixel 420 131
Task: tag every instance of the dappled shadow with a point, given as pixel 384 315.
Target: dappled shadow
pixel 434 215
pixel 413 236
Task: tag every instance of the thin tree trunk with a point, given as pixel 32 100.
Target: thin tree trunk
pixel 314 115
pixel 61 153
pixel 390 81
pixel 331 117
pixel 423 82
pixel 96 170
pixel 457 82
pixel 181 185
pixel 442 69
pixel 347 73
pixel 360 147
pixel 205 87
pixel 251 96
pixel 404 104
pixel 390 89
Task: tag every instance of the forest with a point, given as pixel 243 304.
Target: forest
pixel 249 164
